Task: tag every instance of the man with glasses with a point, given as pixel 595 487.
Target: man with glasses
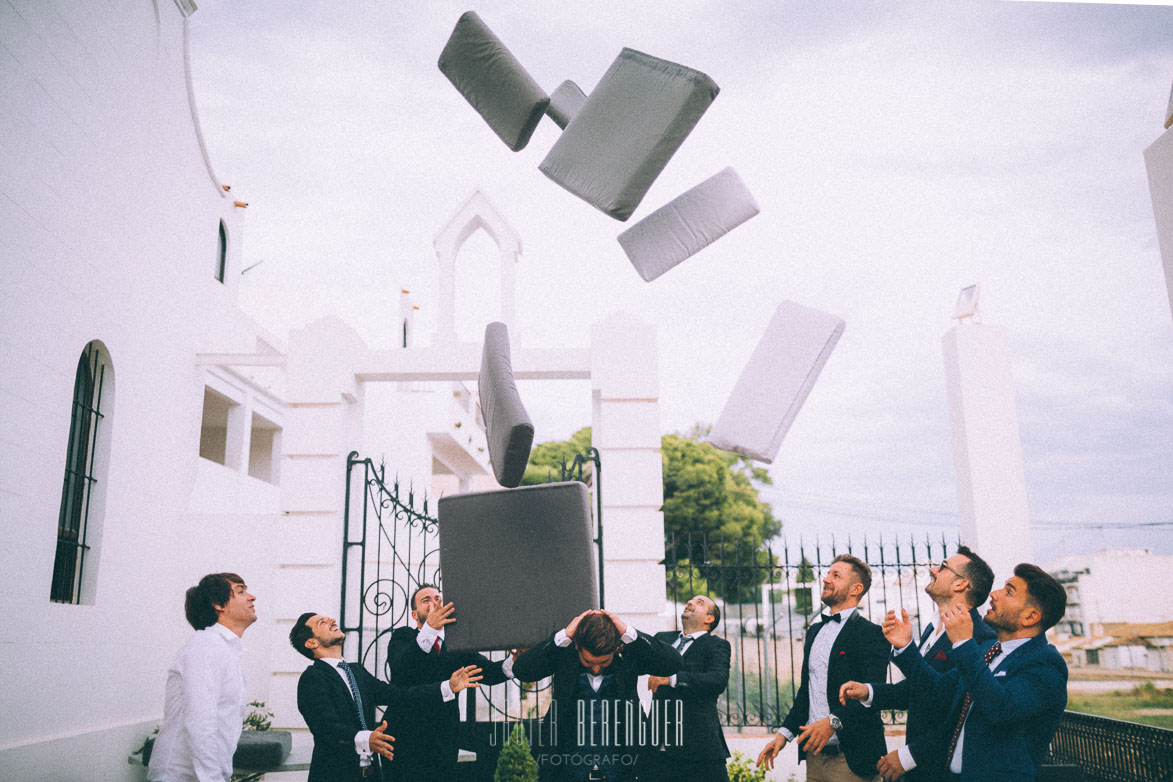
pixel 961 582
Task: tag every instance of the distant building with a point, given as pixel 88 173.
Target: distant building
pixel 1102 588
pixel 1124 646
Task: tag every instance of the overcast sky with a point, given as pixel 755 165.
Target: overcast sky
pixel 898 152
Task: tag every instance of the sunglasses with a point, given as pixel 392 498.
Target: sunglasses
pixel 946 566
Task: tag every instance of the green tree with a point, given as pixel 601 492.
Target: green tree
pixel 545 459
pixel 715 524
pixel 516 763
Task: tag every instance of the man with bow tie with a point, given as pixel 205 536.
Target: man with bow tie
pixel 692 694
pixel 426 738
pixel 962 582
pixel 839 742
pixel 1008 696
pixel 337 700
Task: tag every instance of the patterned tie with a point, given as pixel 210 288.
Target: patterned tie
pixel 436 646
pixel 362 720
pixel 990 654
pixel 681 642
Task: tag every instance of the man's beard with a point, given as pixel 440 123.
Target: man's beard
pixel 335 641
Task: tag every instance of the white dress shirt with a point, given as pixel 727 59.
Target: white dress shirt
pixel 817 665
pixel 203 710
pixel 563 640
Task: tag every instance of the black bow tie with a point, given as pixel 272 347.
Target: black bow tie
pixel 831 618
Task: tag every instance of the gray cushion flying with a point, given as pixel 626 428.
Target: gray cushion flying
pixel 493 81
pixel 565 102
pixel 776 381
pixel 500 550
pixel 688 224
pixel 508 428
pixel 625 133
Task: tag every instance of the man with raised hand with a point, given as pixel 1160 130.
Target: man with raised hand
pixel 960 581
pixel 840 742
pixel 690 696
pixel 204 704
pixel 426 747
pixel 337 701
pixel 591 729
pixel 1008 695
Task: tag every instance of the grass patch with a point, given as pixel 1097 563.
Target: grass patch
pixel 1135 705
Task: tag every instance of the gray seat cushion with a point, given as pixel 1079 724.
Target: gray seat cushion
pixel 565 102
pixel 688 224
pixel 777 380
pixel 503 549
pixel 490 78
pixel 628 129
pixel 508 428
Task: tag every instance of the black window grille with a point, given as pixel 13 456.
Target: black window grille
pixel 79 478
pixel 221 253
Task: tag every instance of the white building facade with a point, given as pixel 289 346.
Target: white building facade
pixel 1102 588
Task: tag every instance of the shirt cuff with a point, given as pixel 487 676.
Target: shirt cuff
pixel 561 638
pixel 362 742
pixel 867 702
pixel 789 736
pixel 959 643
pixel 672 680
pixel 446 691
pixel 507 667
pixel 906 759
pixel 629 635
pixel 427 637
pixel 899 651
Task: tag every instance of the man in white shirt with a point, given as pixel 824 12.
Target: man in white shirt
pixel 337 700
pixel 203 711
pixel 839 742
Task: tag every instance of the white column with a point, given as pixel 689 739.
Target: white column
pixel 322 426
pixel 1158 161
pixel 626 431
pixel 987 451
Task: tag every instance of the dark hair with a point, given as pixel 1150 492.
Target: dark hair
pixel 596 634
pixel 301 633
pixel 1044 592
pixel 716 613
pixel 214 589
pixel 979 575
pixel 419 589
pixel 862 571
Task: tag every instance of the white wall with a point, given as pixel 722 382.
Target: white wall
pixel 1108 591
pixel 109 221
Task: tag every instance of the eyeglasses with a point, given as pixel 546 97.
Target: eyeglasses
pixel 946 566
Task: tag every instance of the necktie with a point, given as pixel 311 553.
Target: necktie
pixel 362 720
pixel 990 654
pixel 681 642
pixel 436 647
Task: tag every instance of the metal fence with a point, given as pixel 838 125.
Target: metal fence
pixel 1108 750
pixel 770 596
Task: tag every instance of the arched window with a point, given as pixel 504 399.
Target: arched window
pixel 221 253
pixel 86 456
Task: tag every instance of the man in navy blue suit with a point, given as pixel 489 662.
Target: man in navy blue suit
pixel 1008 695
pixel 964 580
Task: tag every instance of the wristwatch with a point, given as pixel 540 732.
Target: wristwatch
pixel 836 723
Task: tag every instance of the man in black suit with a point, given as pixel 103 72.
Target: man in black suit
pixel 337 701
pixel 839 742
pixel 691 696
pixel 592 728
pixel 426 747
pixel 961 581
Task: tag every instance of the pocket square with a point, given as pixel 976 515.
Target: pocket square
pixel 999 673
pixel 940 656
